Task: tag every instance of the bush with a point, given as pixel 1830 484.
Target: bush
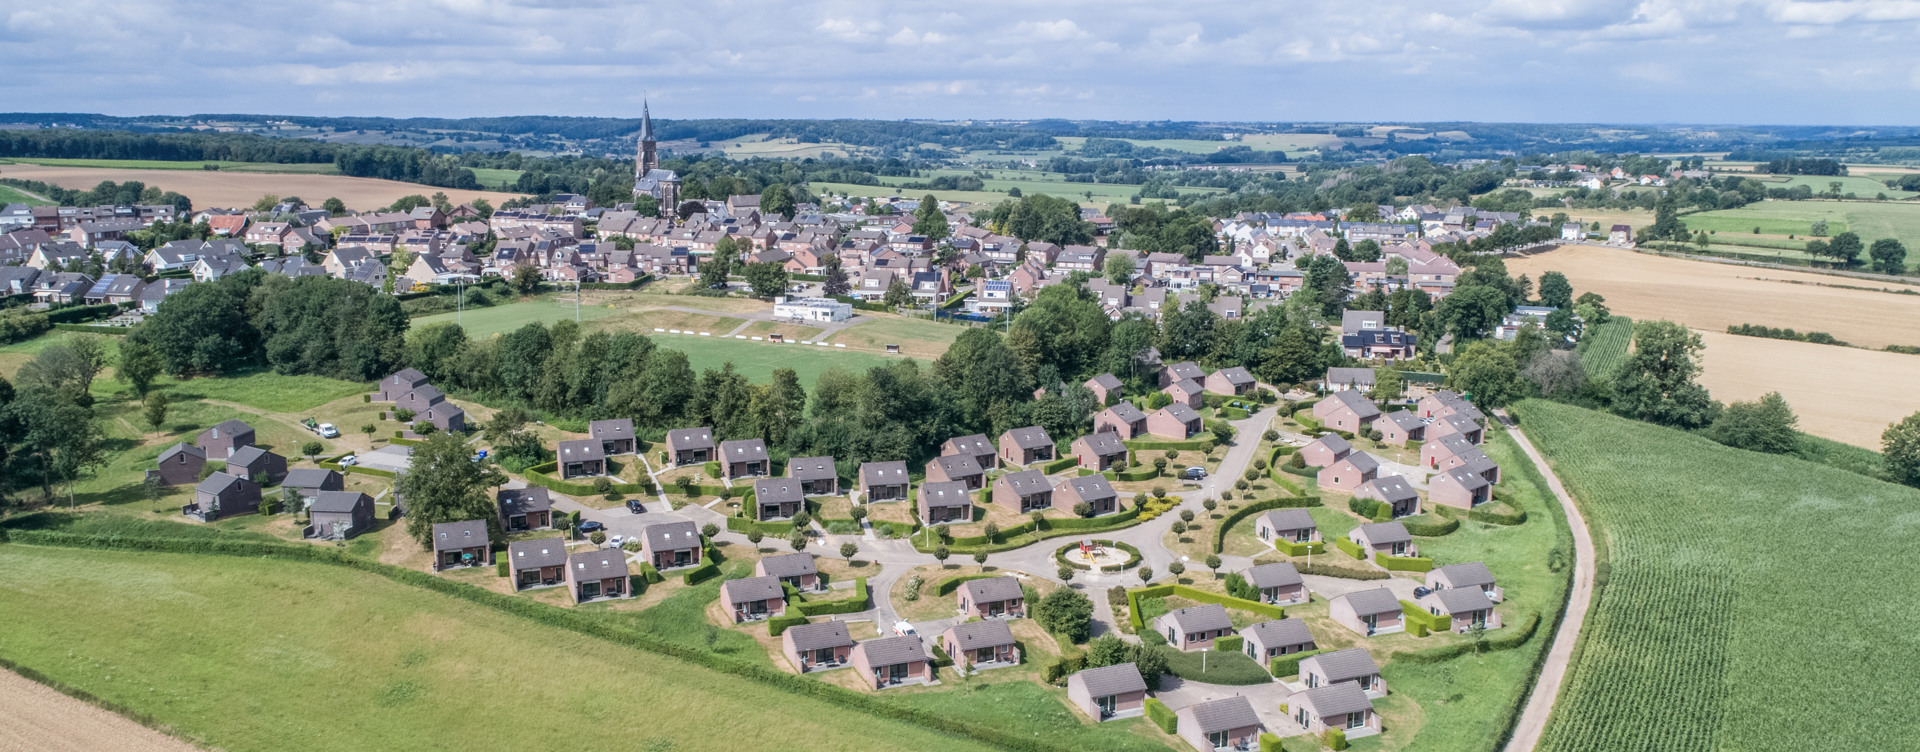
pixel 1289 664
pixel 779 624
pixel 1162 716
pixel 1066 612
pixel 1431 529
pixel 650 574
pixel 1404 563
pixel 1351 574
pixel 1350 548
pixel 1229 643
pixel 500 567
pixel 702 573
pixel 1336 739
pixel 850 605
pixel 1059 465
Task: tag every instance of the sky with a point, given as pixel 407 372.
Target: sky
pixel 1626 61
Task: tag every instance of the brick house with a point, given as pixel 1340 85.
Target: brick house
pixel 884 481
pixel 222 495
pixel 420 398
pixel 219 442
pixel 1023 491
pixel 945 501
pixel 1092 490
pixel 1290 525
pixel 1123 419
pixel 744 457
pixel 1399 427
pixel 1460 488
pixel 892 661
pixel 1392 490
pixel 180 464
pixel 1195 627
pixel 1346 411
pixel 992 598
pixel 976 446
pixel 817 647
pixel 817 476
pixel 1446 402
pixel 955 467
pixel 1105 386
pixel 1349 472
pixel 254 463
pixel 461 544
pixel 1338 706
pixel 1232 381
pixel 1228 723
pixel 981 645
pixel 310 481
pixel 671 545
pixel 796 569
pixel 1350 666
pixel 1024 446
pixel 1466 608
pixel 1326 450
pixel 537 563
pixel 581 458
pixel 338 515
pixel 1109 692
pixel 615 436
pixel 1278 583
pixel 1390 538
pixel 1099 452
pixel 1268 640
pixel 1367 612
pixel 1187 392
pixel 520 509
pixel 690 446
pixel 1175 421
pixel 445 416
pixel 598 575
pixel 1448 452
pixel 753 598
pixel 1177 372
pixel 1456 424
pixel 1472 574
pixel 777 499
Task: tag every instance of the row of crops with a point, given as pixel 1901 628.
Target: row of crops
pixel 1750 601
pixel 1604 347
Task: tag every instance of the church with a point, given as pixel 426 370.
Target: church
pixel 648 178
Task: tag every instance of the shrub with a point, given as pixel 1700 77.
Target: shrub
pixel 1350 548
pixel 847 550
pixel 779 624
pixel 1431 529
pixel 913 586
pixel 1336 739
pixel 500 567
pixel 1404 563
pixel 1066 612
pixel 598 537
pixel 1289 664
pixel 1229 643
pixel 1162 716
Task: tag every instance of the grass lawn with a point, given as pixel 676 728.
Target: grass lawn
pixel 794 332
pixel 758 359
pixel 496 179
pixel 259 654
pixel 1870 220
pixel 1690 638
pixel 505 317
pixel 916 337
pixel 9 195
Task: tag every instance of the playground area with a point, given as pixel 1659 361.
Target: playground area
pixel 1092 554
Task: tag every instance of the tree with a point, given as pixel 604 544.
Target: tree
pixel 940 554
pixel 1656 383
pixel 155 409
pixel 1900 445
pixel 65 370
pixel 928 220
pixel 980 558
pixel 1222 433
pixel 334 206
pixel 847 550
pixel 1472 311
pixel 1486 373
pixel 1065 573
pixel 1388 384
pixel 1889 256
pixel 1555 290
pixel 1213 563
pixel 1325 282
pixel 1043 217
pixel 526 278
pixel 754 536
pixel 1763 425
pixel 767 278
pixel 444 484
pixel 312 449
pixel 798 540
pixel 1066 611
pixel 138 365
pixel 1145 573
pixel 1591 307
pixel 1845 248
pixel 777 199
pixel 835 278
pixel 1119 268
pixel 715 269
pixel 898 294
pixel 1557 373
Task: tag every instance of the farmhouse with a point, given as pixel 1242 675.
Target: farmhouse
pixel 461 544
pixel 1368 612
pixel 598 575
pixel 1277 582
pixel 981 645
pixel 796 569
pixel 1271 639
pixel 1123 419
pixel 1392 490
pixel 537 563
pixel 754 598
pixel 744 457
pixel 1099 452
pixel 1346 411
pixel 976 446
pixel 1092 490
pixel 529 508
pixel 1175 421
pixel 816 475
pixel 1230 381
pixel 1195 627
pixel 956 467
pixel 1354 665
pixel 690 446
pixel 777 499
pixel 1023 446
pixel 222 495
pixel 1109 692
pixel 1349 472
pixel 892 662
pixel 671 545
pixel 1339 706
pixel 258 465
pixel 945 501
pixel 992 598
pixel 581 458
pixel 1326 450
pixel 1388 538
pixel 338 515
pixel 180 464
pixel 884 481
pixel 220 441
pixel 1221 724
pixel 817 647
pixel 1187 392
pixel 1472 574
pixel 1023 491
pixel 615 436
pixel 1290 525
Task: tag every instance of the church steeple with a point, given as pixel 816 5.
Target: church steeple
pixel 648 157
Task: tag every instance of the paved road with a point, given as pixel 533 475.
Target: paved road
pixel 1553 675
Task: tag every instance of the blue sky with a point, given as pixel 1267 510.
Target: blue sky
pixel 1715 61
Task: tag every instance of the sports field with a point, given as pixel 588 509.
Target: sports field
pixel 759 359
pixel 227 188
pixel 505 317
pixel 1842 393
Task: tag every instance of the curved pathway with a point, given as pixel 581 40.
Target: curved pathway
pixel 1553 674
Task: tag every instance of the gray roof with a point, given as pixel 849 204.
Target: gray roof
pixel 1189 386
pixel 1375 601
pixel 1088 487
pixel 690 438
pixel 1107 681
pixel 1224 714
pixel 1385 532
pixel 982 634
pixel 1276 574
pixel 190 450
pixel 1459 600
pixel 582 450
pixel 1181 412
pixel 1290 519
pixel 748 589
pixel 1335 699
pixel 1106 381
pixel 532 554
pixel 811 468
pixel 1457 444
pixel 1024 482
pixel 957 465
pixel 777 491
pixel 621 428
pixel 453 536
pixel 888 651
pixel 820 636
pixel 338 501
pixel 1361 461
pixel 1235 375
pixel 303 477
pixel 1345 665
pixel 1187 369
pixel 1389 488
pixel 1270 634
pixel 230 428
pixel 1356 402
pixel 1030 437
pixel 1467 479
pixel 1470 574
pixel 671 536
pixel 1103 443
pixel 217 483
pixel 883 473
pixel 248 455
pixel 1478 464
pixel 946 493
pixel 1354 376
pixel 1125 412
pixel 598 565
pixel 427 393
pixel 523 500
pixel 788 565
pixel 992 589
pixel 1201 618
pixel 974 444
pixel 1405 420
pixel 743 450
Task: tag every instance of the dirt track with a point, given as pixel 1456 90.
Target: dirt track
pixel 33 717
pixel 227 189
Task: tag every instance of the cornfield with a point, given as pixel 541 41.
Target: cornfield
pixel 1750 602
pixel 1604 347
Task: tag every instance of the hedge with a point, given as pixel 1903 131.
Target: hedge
pixel 1515 517
pixel 701 573
pixel 779 624
pixel 1201 445
pixel 1300 549
pixel 1512 639
pixel 850 605
pixel 334 464
pixel 1304 472
pixel 79 314
pixel 1133 556
pixel 1161 715
pixel 541 475
pixel 1415 615
pixel 650 574
pixel 712 468
pixel 1351 574
pixel 1350 548
pixel 947 586
pixel 743 525
pixel 1336 739
pixel 1289 664
pixel 1229 643
pixel 1233 518
pixel 1431 529
pixel 1183 591
pixel 1233 413
pixel 1404 563
pixel 1307 420
pixel 581 622
pixel 1059 465
pixel 1147 472
pixel 1049 528
pixel 112 331
pixel 1271 743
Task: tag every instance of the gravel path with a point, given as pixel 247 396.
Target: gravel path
pixel 34 717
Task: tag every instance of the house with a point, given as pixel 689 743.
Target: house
pixel 1460 488
pixel 444 416
pixel 1232 381
pixel 1346 410
pixel 1446 402
pixel 1195 627
pixel 1290 525
pixel 1099 452
pixel 461 544
pixel 1342 379
pixel 522 509
pixel 981 645
pixel 1123 419
pixel 816 475
pixel 1368 612
pixel 258 465
pixel 1175 421
pixel 754 598
pixel 1387 344
pixel 1468 608
pixel 615 436
pixel 944 501
pixel 671 545
pixel 1388 538
pixel 777 499
pixel 310 481
pixel 220 441
pixel 1399 427
pixel 884 481
pixel 598 575
pixel 1456 423
pixel 1472 575
pixel 976 446
pixel 581 458
pixel 1023 491
pixel 1271 639
pixel 1182 371
pixel 744 457
pixel 1352 665
pixel 892 662
pixel 817 647
pixel 796 569
pixel 1228 723
pixel 1326 450
pixel 1349 472
pixel 1449 451
pixel 992 598
pixel 1023 446
pixel 1392 490
pixel 537 563
pixel 1187 392
pixel 338 515
pixel 1620 235
pixel 954 467
pixel 180 464
pixel 1109 692
pixel 1278 582
pixel 1091 490
pixel 1105 386
pixel 690 446
pixel 1339 706
pixel 221 496
pixel 420 398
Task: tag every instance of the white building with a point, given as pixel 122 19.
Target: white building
pixel 812 309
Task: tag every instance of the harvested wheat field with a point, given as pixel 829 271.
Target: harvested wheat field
pixel 1712 296
pixel 224 189
pixel 34 717
pixel 1842 393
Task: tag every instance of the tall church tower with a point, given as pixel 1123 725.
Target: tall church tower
pixel 649 158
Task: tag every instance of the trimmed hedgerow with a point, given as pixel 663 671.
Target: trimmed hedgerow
pixel 1162 715
pixel 779 624
pixel 947 586
pixel 1233 518
pixel 1289 664
pixel 1404 563
pixel 850 605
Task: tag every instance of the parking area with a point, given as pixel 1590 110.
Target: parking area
pixel 393 459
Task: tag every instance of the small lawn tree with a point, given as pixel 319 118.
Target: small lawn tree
pixel 312 449
pixel 940 554
pixel 1213 563
pixel 754 536
pixel 848 550
pixel 1066 611
pixel 798 540
pixel 980 558
pixel 709 530
pixel 1145 573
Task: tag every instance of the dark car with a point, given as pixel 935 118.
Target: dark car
pixel 1421 592
pixel 1196 473
pixel 590 527
pixel 635 506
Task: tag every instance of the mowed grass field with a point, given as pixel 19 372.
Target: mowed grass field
pixel 9 195
pixel 1842 393
pixel 1703 636
pixel 1870 220
pixel 501 318
pixel 259 654
pixel 225 188
pixel 1863 187
pixel 759 359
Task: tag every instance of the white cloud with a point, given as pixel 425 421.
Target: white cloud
pixel 1842 11
pixel 1055 31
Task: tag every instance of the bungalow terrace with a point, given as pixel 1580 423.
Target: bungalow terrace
pixel 992 598
pixel 892 662
pixel 1466 608
pixel 1181 371
pixel 753 598
pixel 338 515
pixel 1460 488
pixel 1456 423
pixel 221 496
pixel 1123 419
pixel 258 465
pixel 537 563
pixel 1277 582
pixel 671 545
pixel 796 569
pixel 744 457
pixel 1448 452
pixel 1326 450
pixel 945 501
pixel 817 647
pixel 615 436
pixel 817 476
pixel 1268 640
pixel 1187 392
pixel 976 446
pixel 461 544
pixel 1100 451
pixel 1446 402
pixel 777 499
pixel 1024 491
pixel 1228 723
pixel 521 509
pixel 1390 538
pixel 180 464
pixel 1109 692
pixel 1353 665
pixel 1349 472
pixel 1342 379
pixel 981 645
pixel 884 481
pixel 1024 446
pixel 955 467
pixel 1392 490
pixel 581 458
pixel 690 446
pixel 1230 381
pixel 1339 706
pixel 598 575
pixel 309 481
pixel 1368 612
pixel 1346 411
pixel 1472 574
pixel 1399 427
pixel 1290 525
pixel 1175 421
pixel 1195 627
pixel 1104 385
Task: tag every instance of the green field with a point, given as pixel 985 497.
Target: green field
pixel 14 196
pixel 505 317
pixel 1051 183
pixel 316 168
pixel 1704 634
pixel 260 654
pixel 1604 347
pixel 759 359
pixel 1870 220
pixel 496 179
pixel 1859 186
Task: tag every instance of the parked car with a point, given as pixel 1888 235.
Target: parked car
pixel 591 526
pixel 1196 473
pixel 616 540
pixel 636 506
pixel 349 460
pixel 327 431
pixel 903 628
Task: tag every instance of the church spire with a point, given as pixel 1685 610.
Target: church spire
pixel 646 122
pixel 647 157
